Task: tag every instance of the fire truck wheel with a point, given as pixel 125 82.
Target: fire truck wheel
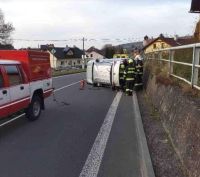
pixel 113 88
pixel 34 110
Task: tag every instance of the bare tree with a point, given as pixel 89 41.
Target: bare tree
pixel 5 30
pixel 108 50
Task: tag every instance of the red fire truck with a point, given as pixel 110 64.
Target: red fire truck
pixel 25 81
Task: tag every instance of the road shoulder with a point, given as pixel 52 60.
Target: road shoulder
pixel 164 159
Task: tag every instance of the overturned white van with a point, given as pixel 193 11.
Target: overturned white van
pixel 104 72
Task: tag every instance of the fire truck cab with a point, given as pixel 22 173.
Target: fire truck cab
pixel 25 81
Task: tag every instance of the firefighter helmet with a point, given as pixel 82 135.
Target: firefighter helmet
pixel 130 61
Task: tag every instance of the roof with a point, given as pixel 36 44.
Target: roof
pixel 172 42
pixel 8 62
pixel 195 6
pixel 64 52
pixel 93 49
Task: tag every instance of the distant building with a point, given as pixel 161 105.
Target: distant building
pixel 6 47
pixel 120 56
pixel 94 53
pixel 162 42
pixel 128 47
pixel 63 57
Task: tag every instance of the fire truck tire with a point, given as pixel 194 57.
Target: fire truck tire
pixel 34 110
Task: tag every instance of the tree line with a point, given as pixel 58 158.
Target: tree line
pixel 6 30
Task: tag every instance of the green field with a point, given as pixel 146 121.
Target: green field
pixel 66 72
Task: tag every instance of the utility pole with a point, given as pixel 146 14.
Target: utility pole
pixel 83 66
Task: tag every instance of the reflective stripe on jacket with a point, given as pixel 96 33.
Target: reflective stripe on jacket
pixel 130 73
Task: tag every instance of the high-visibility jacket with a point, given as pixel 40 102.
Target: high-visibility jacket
pixel 139 72
pixel 121 71
pixel 139 66
pixel 130 72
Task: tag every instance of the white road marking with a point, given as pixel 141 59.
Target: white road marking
pixel 7 122
pixel 94 159
pixel 15 118
pixel 66 86
pixel 146 167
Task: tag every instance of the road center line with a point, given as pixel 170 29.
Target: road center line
pixel 94 159
pixel 66 86
pixel 11 120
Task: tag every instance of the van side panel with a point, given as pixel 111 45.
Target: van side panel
pixel 36 64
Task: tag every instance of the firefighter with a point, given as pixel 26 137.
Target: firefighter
pixel 130 77
pixel 121 76
pixel 139 70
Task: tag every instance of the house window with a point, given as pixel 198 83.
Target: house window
pixel 91 55
pixel 154 46
pixel 79 62
pixel 62 63
pixel 70 63
pixel 13 75
pixel 162 45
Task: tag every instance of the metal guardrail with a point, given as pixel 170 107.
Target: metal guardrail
pixel 195 65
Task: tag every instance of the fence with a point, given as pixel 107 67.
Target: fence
pixel 183 62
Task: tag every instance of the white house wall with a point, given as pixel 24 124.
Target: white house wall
pixel 56 63
pixel 95 55
pixel 53 61
pixel 69 62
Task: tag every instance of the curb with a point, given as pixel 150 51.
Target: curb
pixel 146 167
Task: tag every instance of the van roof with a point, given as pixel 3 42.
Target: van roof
pixel 8 62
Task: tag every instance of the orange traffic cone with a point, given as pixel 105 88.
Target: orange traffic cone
pixel 82 84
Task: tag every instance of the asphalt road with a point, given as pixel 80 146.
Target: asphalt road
pixel 71 138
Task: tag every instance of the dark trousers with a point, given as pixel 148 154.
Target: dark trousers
pixel 122 83
pixel 129 87
pixel 138 82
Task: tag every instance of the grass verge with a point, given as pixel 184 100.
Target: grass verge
pixel 66 72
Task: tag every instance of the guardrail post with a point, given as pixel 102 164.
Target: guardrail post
pixel 195 70
pixel 171 59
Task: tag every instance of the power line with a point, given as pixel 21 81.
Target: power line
pixel 80 40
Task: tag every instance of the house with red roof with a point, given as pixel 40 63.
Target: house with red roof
pixel 94 53
pixel 162 42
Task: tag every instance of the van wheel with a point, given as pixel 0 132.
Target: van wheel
pixel 34 110
pixel 94 84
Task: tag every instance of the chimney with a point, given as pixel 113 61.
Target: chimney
pixel 175 37
pixel 161 35
pixel 146 40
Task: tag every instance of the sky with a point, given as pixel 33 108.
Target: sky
pixel 98 21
